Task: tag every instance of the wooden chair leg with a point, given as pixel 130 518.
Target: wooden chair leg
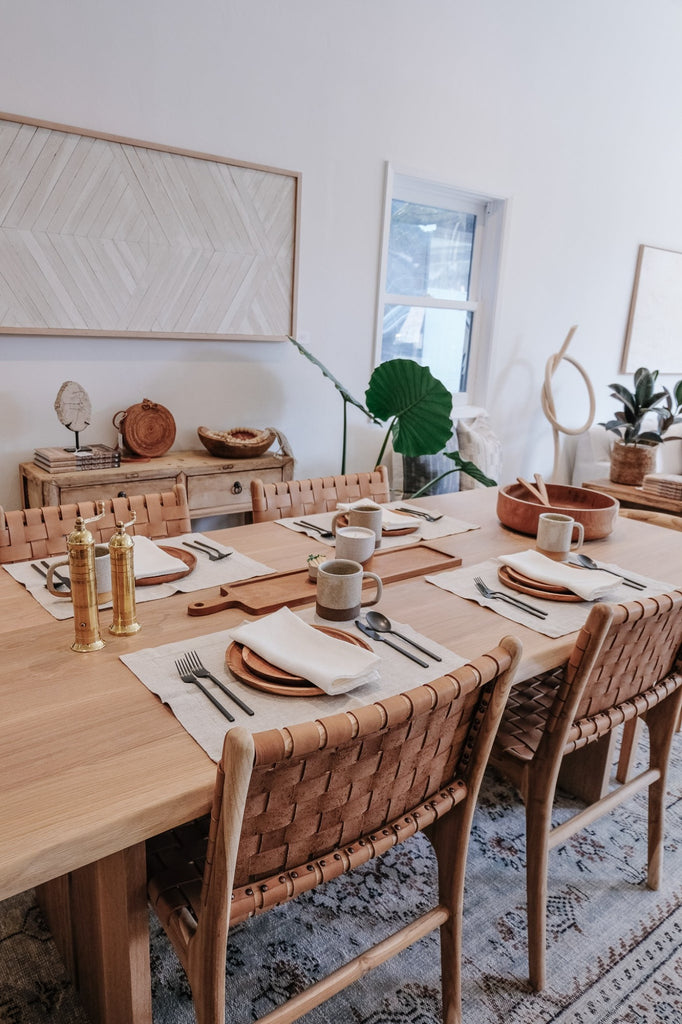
pixel 538 822
pixel 632 731
pixel 662 723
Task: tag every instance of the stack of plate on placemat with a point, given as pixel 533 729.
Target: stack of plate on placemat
pixel 536 588
pixel 255 671
pixel 664 485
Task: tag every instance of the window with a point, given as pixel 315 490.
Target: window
pixel 438 281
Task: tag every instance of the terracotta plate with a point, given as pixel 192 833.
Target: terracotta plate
pixel 343 521
pixel 269 678
pixel 187 557
pixel 534 588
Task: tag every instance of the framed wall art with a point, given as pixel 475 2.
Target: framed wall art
pixel 654 331
pixel 112 237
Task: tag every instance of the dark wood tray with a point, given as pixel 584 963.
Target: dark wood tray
pixel 266 594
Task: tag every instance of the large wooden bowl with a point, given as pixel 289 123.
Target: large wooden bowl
pixel 518 510
pixel 237 443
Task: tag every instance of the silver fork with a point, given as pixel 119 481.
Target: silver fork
pixel 423 515
pixel 199 669
pixel 213 557
pixel 188 676
pixel 485 590
pixel 218 554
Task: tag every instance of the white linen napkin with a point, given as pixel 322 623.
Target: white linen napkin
pixel 287 642
pixel 591 585
pixel 390 520
pixel 150 560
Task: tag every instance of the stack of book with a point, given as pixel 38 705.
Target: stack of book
pixel 61 460
pixel 666 485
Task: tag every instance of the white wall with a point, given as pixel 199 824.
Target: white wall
pixel 570 110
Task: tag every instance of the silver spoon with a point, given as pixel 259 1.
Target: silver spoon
pixel 382 624
pixel 589 563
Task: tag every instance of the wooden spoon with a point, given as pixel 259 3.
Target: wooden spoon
pixel 542 489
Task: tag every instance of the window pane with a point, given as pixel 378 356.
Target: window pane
pixel 429 251
pixel 437 338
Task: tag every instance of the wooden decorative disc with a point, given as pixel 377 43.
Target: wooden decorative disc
pixel 148 428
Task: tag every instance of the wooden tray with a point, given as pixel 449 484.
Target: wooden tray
pixel 534 588
pixel 268 593
pixel 275 680
pixel 187 557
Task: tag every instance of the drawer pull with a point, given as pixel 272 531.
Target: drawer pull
pixel 121 494
pixel 236 487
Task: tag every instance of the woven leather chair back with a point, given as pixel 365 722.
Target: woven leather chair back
pixel 286 498
pixel 298 806
pixel 41 532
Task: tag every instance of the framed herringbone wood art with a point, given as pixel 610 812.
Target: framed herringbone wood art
pixel 112 237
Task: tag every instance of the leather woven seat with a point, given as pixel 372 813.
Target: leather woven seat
pixel 42 532
pixel 286 498
pixel 296 807
pixel 626 665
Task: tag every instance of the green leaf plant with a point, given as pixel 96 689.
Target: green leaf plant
pixel 415 404
pixel 644 400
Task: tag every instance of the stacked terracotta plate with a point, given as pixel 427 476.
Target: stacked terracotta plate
pixel 248 667
pixel 535 588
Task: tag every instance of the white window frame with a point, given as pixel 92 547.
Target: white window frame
pixel 485 268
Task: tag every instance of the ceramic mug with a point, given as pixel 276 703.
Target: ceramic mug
pixel 339 590
pixel 102 573
pixel 356 543
pixel 368 516
pixel 555 535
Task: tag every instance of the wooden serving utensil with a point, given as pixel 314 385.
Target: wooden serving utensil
pixel 542 488
pixel 532 489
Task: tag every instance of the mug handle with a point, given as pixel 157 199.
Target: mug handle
pixel 337 516
pixel 379 585
pixel 50 580
pixel 581 536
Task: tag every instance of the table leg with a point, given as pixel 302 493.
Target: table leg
pixel 586 772
pixel 98 916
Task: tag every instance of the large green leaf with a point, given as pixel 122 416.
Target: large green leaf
pixel 417 403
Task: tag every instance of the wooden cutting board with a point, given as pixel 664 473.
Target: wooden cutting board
pixel 266 594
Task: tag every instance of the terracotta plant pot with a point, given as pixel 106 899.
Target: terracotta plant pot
pixel 630 463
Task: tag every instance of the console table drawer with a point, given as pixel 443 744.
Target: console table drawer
pixel 231 490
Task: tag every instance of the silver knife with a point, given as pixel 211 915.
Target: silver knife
pixel 373 635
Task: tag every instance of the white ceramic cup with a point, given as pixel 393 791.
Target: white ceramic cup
pixel 368 516
pixel 555 535
pixel 356 543
pixel 102 573
pixel 339 590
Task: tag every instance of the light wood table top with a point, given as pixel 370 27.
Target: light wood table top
pixel 92 763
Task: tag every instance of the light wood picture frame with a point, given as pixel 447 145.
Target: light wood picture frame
pixel 654 332
pixel 107 236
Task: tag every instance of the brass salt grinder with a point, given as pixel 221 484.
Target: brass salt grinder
pixel 123 581
pixel 81 548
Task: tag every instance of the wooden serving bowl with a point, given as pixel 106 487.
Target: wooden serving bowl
pixel 237 443
pixel 518 510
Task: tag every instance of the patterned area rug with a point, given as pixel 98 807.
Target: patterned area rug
pixel 615 947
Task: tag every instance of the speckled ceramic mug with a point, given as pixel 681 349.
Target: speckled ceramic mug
pixel 339 590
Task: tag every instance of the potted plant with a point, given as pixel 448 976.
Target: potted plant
pixel 416 406
pixel 634 453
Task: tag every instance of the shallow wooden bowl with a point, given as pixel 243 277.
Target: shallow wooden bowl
pixel 237 443
pixel 518 510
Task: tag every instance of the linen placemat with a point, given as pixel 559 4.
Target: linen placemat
pixel 563 616
pixel 444 527
pixel 205 574
pixel 155 668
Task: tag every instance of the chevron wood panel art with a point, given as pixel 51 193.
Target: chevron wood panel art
pixel 112 237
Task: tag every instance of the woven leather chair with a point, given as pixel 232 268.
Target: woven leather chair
pixel 41 532
pixel 296 807
pixel 304 497
pixel 626 664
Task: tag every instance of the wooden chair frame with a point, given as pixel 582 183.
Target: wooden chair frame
pixel 286 498
pixel 42 532
pixel 296 807
pixel 626 665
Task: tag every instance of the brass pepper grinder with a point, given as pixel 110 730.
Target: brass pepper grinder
pixel 81 548
pixel 123 581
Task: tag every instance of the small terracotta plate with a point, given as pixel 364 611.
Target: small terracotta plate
pixel 343 521
pixel 278 681
pixel 187 557
pixel 534 588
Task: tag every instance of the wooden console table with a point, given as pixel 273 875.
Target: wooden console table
pixel 635 497
pixel 214 486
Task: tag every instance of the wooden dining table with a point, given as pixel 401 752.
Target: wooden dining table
pixel 92 763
